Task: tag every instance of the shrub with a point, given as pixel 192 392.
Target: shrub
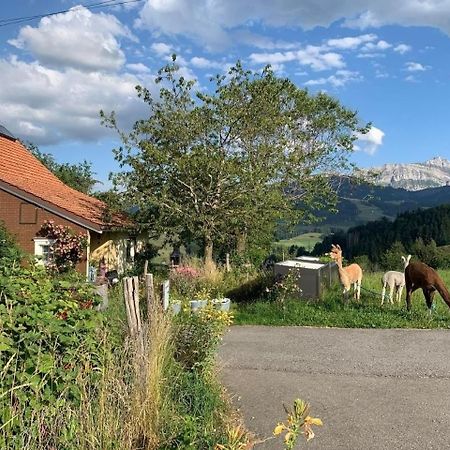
pixel 48 340
pixel 253 288
pixel 9 251
pixel 197 336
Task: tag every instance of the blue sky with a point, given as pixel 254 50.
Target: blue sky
pixel 390 63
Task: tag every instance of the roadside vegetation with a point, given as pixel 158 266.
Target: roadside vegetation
pixel 334 311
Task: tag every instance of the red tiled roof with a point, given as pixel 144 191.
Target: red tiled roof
pixel 21 170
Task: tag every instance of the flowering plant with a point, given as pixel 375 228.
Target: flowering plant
pixel 184 280
pixel 67 246
pixel 285 287
pixel 298 422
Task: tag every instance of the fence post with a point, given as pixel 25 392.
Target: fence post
pixel 150 291
pixel 165 294
pixel 145 268
pixel 227 262
pixel 129 305
pixel 135 282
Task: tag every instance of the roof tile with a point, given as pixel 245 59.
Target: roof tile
pixel 20 169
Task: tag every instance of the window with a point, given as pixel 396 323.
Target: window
pixel 43 250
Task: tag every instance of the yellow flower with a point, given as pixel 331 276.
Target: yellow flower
pixel 288 437
pixel 313 421
pixel 308 432
pixel 278 429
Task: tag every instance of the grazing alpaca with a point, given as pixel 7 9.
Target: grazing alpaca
pixel 420 276
pixel 395 280
pixel 349 275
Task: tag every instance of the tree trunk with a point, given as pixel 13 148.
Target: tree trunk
pixel 208 251
pixel 241 242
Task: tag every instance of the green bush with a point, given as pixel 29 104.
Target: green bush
pixel 9 251
pixel 255 287
pixel 48 341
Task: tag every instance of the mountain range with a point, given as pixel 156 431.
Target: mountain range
pixel 360 203
pixel 414 176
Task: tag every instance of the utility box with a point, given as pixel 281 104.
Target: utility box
pixel 315 276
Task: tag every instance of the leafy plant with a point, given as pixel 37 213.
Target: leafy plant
pixel 48 339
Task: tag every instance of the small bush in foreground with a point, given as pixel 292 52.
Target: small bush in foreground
pixel 48 341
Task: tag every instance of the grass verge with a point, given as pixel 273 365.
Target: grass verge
pixel 333 311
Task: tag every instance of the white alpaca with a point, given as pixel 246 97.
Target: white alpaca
pixel 395 280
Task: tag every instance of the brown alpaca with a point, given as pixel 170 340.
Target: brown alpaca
pixel 420 276
pixel 350 275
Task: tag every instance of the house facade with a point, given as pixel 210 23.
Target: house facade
pixel 30 195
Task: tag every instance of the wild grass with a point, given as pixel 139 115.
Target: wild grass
pixel 145 397
pixel 334 311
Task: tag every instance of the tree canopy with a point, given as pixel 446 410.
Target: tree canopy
pixel 78 176
pixel 229 163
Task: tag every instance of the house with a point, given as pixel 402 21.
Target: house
pixel 30 195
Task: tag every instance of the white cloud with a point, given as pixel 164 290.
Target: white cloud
pixel 370 141
pixel 370 55
pixel 138 67
pixel 402 49
pixel 350 43
pixel 48 105
pixel 203 63
pixel 161 49
pixel 339 79
pixel 212 23
pixel 411 79
pixel 379 46
pixel 313 56
pixel 415 67
pixel 78 39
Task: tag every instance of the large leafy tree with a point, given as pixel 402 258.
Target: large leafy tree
pixel 230 163
pixel 78 176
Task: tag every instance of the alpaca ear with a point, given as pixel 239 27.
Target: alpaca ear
pixel 338 247
pixel 403 259
pixel 409 257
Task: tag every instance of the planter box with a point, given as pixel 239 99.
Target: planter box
pixel 222 304
pixel 197 304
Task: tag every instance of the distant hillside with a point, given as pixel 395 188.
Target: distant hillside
pixel 362 203
pixel 415 176
pixel 374 238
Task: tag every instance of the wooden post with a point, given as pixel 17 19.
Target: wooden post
pixel 145 268
pixel 131 297
pixel 150 291
pixel 165 294
pixel 136 304
pixel 227 262
pixel 126 296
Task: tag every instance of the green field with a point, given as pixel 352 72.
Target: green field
pixel 333 311
pixel 306 240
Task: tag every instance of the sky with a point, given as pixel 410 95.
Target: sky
pixel 387 60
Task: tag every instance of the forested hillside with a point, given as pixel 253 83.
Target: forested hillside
pixel 413 232
pixel 362 203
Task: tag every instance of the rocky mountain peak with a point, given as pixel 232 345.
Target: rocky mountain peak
pixel 415 176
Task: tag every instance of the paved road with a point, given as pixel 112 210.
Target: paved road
pixel 373 389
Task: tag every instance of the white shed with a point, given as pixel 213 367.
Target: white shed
pixel 315 276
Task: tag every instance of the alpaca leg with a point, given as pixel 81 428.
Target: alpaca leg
pixel 399 294
pixel 408 298
pixel 391 293
pixel 359 290
pixel 383 293
pixel 428 294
